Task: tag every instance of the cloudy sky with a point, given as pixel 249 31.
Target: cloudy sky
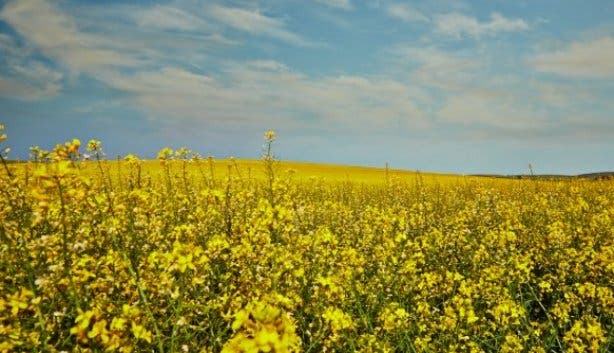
pixel 444 85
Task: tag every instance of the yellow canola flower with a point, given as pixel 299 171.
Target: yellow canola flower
pixel 586 335
pixel 269 136
pixel 512 344
pixel 19 301
pixel 82 322
pixel 480 265
pixel 74 145
pixel 261 327
pixel 507 312
pixel 393 317
pixel 99 330
pixel 93 145
pixel 118 324
pixel 141 332
pixel 337 319
pixel 165 153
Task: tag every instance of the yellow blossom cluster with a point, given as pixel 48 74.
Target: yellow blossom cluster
pixel 137 256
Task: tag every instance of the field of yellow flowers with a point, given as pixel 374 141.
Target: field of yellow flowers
pixel 111 256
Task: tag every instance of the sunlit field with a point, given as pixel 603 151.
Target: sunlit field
pixel 192 254
pixel 253 169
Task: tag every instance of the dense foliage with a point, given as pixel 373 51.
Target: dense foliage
pixel 100 256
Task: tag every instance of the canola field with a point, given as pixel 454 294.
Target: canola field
pixel 188 254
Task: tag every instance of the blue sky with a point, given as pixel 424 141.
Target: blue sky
pixel 444 85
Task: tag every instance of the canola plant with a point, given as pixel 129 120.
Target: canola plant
pixel 104 256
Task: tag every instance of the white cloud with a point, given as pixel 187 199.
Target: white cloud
pixel 265 93
pixel 340 4
pixel 57 35
pixel 36 71
pixel 458 25
pixel 450 71
pixel 11 49
pixel 260 93
pixel 476 100
pixel 252 21
pixel 582 59
pixel 84 42
pixel 23 77
pixel 406 13
pixel 16 88
pixel 560 95
pixel 471 97
pixel 271 65
pixel 489 108
pixel 170 18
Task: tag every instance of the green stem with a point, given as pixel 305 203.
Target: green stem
pixel 65 255
pixel 6 167
pixel 145 302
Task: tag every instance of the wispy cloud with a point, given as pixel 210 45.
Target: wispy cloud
pixel 335 18
pixel 169 18
pixel 561 95
pixel 264 92
pixel 581 59
pixel 468 96
pixel 459 25
pixel 248 93
pixel 24 77
pixel 481 103
pixel 261 93
pixel 57 36
pixel 489 108
pixel 406 13
pixel 450 71
pixel 16 88
pixel 340 4
pixel 253 22
pixel 54 43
